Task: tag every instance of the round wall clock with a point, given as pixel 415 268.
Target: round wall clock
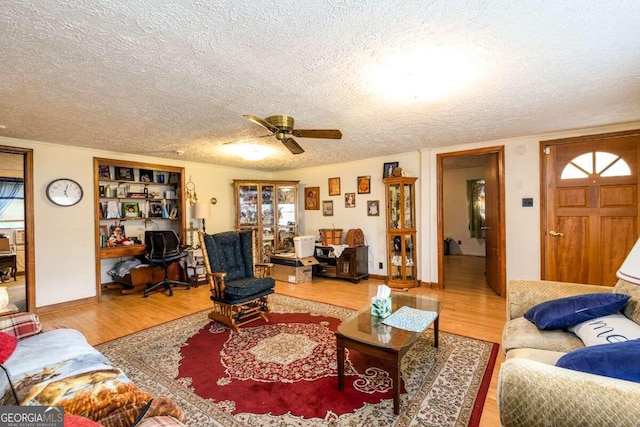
pixel 64 192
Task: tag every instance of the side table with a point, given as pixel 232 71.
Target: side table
pixel 194 264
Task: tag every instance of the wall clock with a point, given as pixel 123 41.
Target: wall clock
pixel 64 192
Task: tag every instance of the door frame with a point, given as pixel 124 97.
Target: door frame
pixel 543 183
pixel 29 250
pixel 499 150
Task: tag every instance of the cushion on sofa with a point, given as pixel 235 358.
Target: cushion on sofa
pixel 8 345
pixel 71 420
pixel 615 360
pixel 543 356
pixel 520 333
pixel 20 325
pixel 606 330
pixel 562 313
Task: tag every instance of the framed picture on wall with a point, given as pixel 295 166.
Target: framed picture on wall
pixel 334 186
pixel 312 198
pixel 327 207
pixel 364 184
pixel 373 208
pixel 349 200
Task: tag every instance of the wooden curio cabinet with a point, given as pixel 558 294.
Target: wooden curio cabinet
pixel 401 232
pixel 270 208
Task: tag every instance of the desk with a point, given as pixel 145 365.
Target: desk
pixel 9 260
pixel 122 251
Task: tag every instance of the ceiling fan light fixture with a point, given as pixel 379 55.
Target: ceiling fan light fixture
pixel 251 152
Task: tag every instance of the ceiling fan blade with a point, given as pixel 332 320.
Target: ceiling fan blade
pixel 261 122
pixel 317 133
pixel 292 145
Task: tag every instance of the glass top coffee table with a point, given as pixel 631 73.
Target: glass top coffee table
pixel 367 334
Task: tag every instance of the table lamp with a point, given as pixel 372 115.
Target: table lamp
pixel 630 269
pixel 202 211
pixel 4 297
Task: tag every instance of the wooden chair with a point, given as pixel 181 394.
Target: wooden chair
pixel 239 287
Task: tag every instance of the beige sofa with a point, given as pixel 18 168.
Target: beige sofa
pixel 532 391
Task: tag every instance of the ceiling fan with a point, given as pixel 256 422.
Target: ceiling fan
pixel 282 126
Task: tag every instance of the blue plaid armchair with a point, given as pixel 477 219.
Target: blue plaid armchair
pixel 239 287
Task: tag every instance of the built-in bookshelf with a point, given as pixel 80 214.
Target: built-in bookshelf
pixel 130 198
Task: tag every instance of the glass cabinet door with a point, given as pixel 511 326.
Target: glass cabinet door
pixel 266 205
pixel 401 260
pixel 268 243
pixel 286 217
pixel 394 206
pixel 248 197
pixel 408 207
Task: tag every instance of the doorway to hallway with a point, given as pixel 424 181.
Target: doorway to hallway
pixel 471 217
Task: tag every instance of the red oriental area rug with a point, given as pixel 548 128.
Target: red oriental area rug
pixel 284 372
pixel 268 367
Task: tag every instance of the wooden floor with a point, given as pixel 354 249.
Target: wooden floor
pixel 470 308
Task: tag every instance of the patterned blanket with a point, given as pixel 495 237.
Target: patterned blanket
pixel 59 368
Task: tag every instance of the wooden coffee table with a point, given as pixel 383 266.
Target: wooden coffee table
pixel 367 334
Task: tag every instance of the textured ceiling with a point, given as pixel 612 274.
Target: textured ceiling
pixel 153 77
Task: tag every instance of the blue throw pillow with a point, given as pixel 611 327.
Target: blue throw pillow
pixel 565 312
pixel 617 360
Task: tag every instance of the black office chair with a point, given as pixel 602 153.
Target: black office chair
pixel 163 248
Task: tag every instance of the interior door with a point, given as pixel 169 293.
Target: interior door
pixel 24 156
pixel 591 208
pixel 494 212
pixel 492 221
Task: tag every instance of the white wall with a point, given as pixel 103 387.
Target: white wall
pixel 456 213
pixel 64 236
pixel 374 227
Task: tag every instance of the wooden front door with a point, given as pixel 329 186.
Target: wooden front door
pixel 591 207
